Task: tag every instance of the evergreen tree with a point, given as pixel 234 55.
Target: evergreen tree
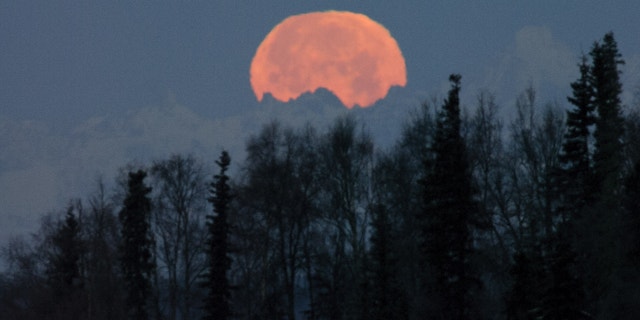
pixel 632 216
pixel 64 274
pixel 524 299
pixel 63 269
pixel 628 286
pixel 217 306
pixel 450 214
pixel 564 295
pixel 600 231
pixel 606 85
pixel 575 158
pixel 136 247
pixel 388 301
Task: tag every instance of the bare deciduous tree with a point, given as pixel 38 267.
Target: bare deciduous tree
pixel 178 222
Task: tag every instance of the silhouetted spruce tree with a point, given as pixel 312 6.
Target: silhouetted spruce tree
pixel 63 270
pixel 602 224
pixel 387 299
pixel 632 216
pixel 525 296
pixel 136 246
pixel 217 305
pixel 628 306
pixel 575 158
pixel 564 296
pixel 450 214
pixel 606 85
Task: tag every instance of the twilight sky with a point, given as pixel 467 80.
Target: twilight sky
pixel 89 86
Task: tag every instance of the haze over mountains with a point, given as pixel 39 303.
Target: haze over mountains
pixel 58 164
pixel 59 160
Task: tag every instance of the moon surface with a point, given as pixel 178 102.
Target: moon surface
pixel 346 53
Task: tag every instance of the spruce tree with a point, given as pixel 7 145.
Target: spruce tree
pixel 564 295
pixel 63 269
pixel 450 214
pixel 136 246
pixel 575 158
pixel 217 306
pixel 388 301
pixel 628 286
pixel 600 236
pixel 632 216
pixel 525 296
pixel 606 85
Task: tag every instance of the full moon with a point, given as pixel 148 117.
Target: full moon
pixel 346 53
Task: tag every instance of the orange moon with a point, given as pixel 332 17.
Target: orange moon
pixel 346 53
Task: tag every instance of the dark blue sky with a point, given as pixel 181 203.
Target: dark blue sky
pixel 88 86
pixel 65 61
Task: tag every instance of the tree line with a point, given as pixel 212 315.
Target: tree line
pixel 463 218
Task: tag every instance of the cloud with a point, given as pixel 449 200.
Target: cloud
pixel 535 58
